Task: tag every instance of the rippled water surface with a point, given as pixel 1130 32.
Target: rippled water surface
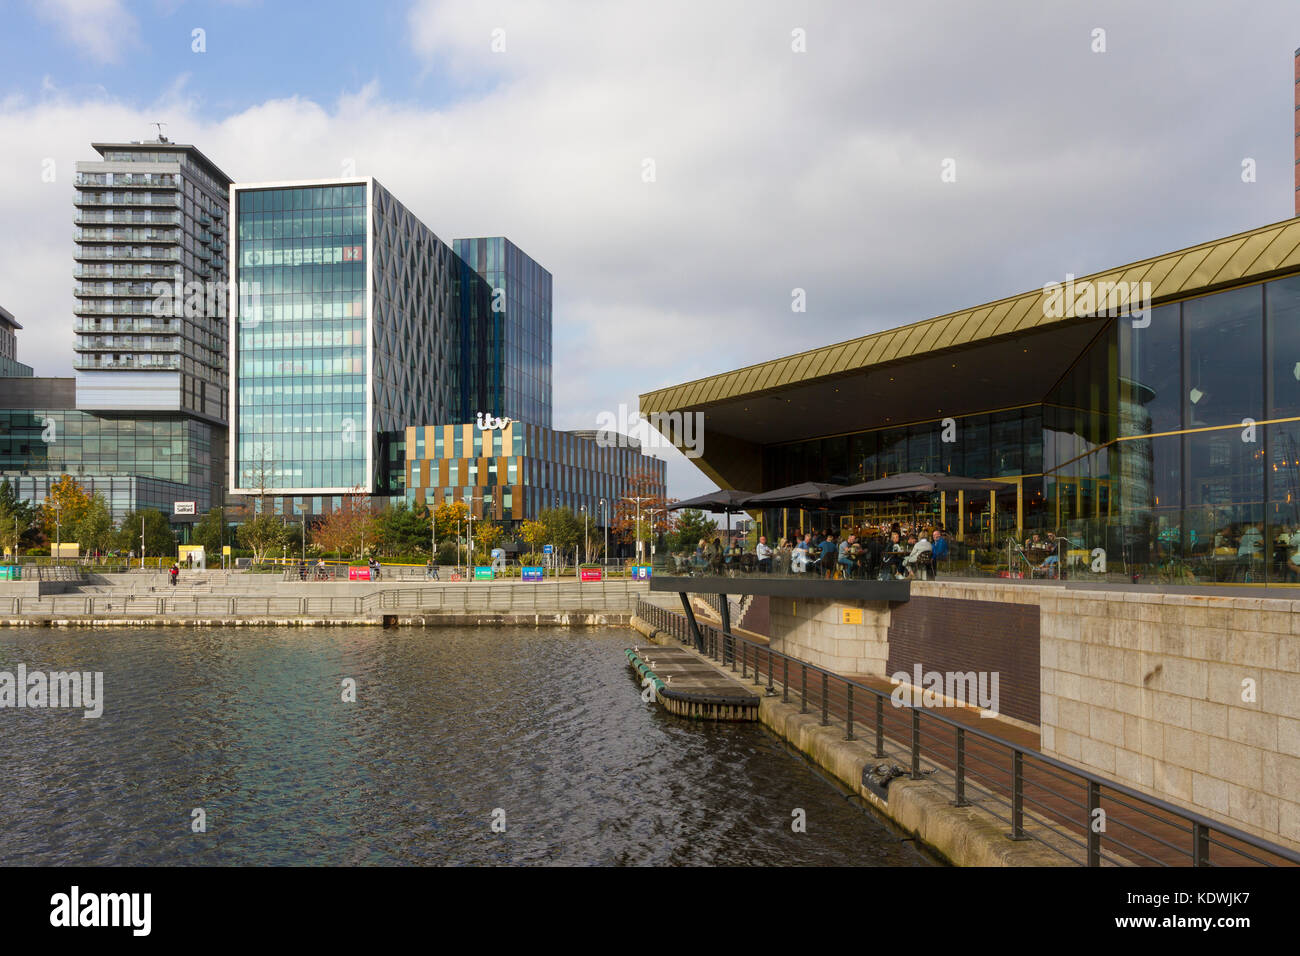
pixel 249 724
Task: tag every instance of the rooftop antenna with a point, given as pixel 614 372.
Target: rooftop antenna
pixel 161 137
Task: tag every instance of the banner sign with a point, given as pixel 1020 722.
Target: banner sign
pixel 359 574
pixel 532 573
pixel 590 574
pixel 640 572
pixel 483 572
pixel 548 549
pixel 185 507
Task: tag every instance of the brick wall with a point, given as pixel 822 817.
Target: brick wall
pixel 943 634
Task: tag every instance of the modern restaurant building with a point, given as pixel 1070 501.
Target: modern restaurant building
pixel 1151 411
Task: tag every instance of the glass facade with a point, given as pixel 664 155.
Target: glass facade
pixel 504 305
pixel 166 459
pixel 513 473
pixel 301 348
pixel 355 320
pixel 1172 444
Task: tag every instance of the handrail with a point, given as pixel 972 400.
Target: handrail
pixel 1196 828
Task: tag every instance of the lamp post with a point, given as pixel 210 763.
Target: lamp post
pixel 604 517
pixel 58 531
pixel 638 499
pixel 652 512
pixel 585 546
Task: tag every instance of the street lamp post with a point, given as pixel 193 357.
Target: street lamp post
pixel 58 531
pixel 652 512
pixel 638 499
pixel 585 544
pixel 604 517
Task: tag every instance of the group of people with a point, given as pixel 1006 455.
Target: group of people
pixel 889 553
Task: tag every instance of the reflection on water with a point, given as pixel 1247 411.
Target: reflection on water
pixel 249 725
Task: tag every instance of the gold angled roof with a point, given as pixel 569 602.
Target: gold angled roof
pixel 1246 257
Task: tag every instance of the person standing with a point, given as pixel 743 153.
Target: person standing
pixel 175 573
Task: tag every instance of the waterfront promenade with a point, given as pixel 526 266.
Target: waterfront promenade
pixel 233 598
pixel 976 789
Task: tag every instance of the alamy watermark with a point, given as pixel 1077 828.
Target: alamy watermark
pixel 947 689
pixel 77 690
pixel 1086 298
pixel 681 430
pixel 206 300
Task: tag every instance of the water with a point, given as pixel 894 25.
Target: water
pixel 249 725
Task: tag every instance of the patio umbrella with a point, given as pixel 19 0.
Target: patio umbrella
pixel 912 485
pixel 811 495
pixel 726 500
pixel 913 482
pixel 814 493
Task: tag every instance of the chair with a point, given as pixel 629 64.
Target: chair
pixel 747 563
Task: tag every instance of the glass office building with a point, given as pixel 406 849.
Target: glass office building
pixel 344 333
pixel 136 461
pixel 1164 438
pixel 503 301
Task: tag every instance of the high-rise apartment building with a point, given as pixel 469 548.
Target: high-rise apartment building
pixel 152 227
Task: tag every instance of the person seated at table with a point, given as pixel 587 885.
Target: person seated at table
pixel 799 558
pixel 700 559
pixel 920 547
pixel 1051 563
pixel 828 550
pixel 764 555
pixel 939 545
pixel 1033 542
pixel 1252 542
pixel 715 556
pixel 891 557
pixel 846 554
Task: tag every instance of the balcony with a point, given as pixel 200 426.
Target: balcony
pixel 146 363
pixel 127 217
pixel 125 199
pixel 150 180
pixel 127 235
pixel 160 272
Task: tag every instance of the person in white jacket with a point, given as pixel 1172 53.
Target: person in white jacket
pixel 921 547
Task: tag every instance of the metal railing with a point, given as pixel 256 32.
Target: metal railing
pixel 1087 819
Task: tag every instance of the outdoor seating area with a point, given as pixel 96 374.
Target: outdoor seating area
pixel 886 551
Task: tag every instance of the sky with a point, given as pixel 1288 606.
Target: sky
pixel 681 168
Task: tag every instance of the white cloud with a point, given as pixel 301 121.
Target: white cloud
pixel 775 170
pixel 101 29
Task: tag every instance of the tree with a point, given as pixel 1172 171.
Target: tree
pixel 16 518
pixel 94 532
pixel 208 533
pixel 692 525
pixel 264 532
pixel 350 528
pixel 159 541
pixel 403 530
pixel 534 534
pixel 488 534
pixel 563 528
pixel 65 505
pixel 652 512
